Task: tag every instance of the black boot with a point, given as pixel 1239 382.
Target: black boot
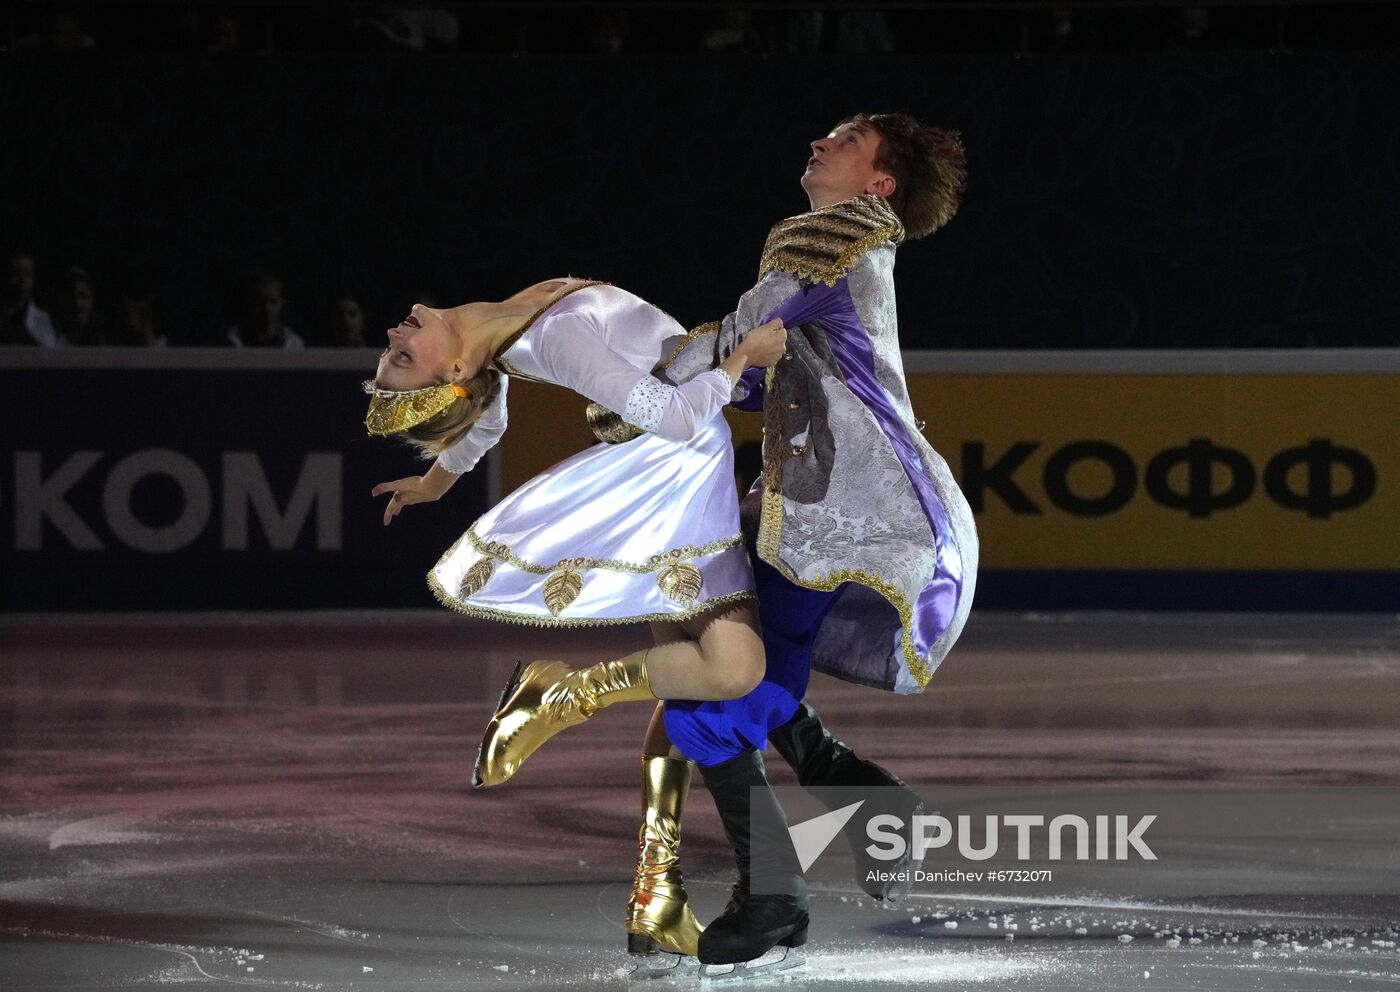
pixel 823 763
pixel 769 904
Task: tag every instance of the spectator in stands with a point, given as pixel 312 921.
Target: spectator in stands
pixel 24 321
pixel 347 324
pixel 75 311
pixel 260 316
pixel 136 325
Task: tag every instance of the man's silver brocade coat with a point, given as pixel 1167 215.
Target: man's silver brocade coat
pixel 853 496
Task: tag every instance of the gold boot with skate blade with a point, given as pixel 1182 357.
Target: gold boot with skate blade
pixel 543 699
pixel 658 914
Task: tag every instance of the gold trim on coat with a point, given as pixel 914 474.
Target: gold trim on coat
pixel 770 530
pixel 821 245
pixel 691 335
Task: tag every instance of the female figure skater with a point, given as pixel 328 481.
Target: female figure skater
pixel 642 530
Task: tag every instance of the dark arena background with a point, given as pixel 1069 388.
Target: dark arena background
pixel 1158 345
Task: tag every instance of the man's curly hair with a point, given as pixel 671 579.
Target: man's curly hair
pixel 928 165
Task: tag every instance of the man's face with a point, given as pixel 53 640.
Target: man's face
pixel 843 165
pixel 82 299
pixel 352 318
pixel 264 305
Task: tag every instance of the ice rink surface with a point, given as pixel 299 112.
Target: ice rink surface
pixel 284 803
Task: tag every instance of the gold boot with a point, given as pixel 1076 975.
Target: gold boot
pixel 544 699
pixel 658 915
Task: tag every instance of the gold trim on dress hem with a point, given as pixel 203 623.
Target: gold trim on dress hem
pixel 488 613
pixel 681 582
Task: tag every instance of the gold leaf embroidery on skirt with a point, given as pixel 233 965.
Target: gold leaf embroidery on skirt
pixel 561 589
pixel 477 576
pixel 504 554
pixel 680 582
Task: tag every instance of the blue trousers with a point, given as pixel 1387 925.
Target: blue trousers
pixel 710 732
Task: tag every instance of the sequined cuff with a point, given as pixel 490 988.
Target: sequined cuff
pixel 647 403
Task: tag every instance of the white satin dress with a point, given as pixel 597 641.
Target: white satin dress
pixel 619 533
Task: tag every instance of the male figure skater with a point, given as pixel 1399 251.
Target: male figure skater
pixel 865 551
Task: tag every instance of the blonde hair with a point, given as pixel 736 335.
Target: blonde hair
pixel 438 433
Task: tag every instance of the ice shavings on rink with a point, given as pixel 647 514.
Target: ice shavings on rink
pixel 884 965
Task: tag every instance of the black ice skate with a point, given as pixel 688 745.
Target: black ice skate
pixel 768 908
pixel 823 763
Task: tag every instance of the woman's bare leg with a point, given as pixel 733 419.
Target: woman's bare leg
pixel 716 655
pixel 656 743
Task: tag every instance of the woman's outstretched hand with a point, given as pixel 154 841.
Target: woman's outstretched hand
pixel 414 489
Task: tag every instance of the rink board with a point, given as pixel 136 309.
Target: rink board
pixel 209 478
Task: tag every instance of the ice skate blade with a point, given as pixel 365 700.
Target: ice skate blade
pixel 662 966
pixel 897 890
pixel 747 971
pixel 898 887
pixel 511 684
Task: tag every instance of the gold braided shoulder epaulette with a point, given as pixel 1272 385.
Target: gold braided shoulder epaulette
pixel 823 244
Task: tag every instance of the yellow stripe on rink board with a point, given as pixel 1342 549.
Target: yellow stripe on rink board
pixel 1127 470
pixel 1305 439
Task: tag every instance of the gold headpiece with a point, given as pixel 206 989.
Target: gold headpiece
pixel 392 412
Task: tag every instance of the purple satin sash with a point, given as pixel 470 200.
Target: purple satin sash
pixel 833 308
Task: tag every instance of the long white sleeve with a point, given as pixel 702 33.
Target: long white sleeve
pixel 481 438
pixel 571 345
